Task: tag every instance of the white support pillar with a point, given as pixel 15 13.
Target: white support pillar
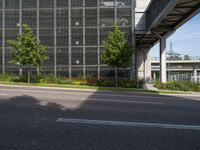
pixel 163 72
pixel 195 74
pixel 147 64
pixel 163 68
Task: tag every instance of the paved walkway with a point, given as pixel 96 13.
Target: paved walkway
pixel 150 87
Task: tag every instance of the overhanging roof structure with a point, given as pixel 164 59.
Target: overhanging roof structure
pixel 164 17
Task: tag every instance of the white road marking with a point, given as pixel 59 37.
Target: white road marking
pixel 103 94
pixel 130 124
pixel 124 101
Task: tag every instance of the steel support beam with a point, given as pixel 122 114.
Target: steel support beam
pixel 84 68
pixel 38 28
pixel 3 38
pixel 133 58
pixel 98 42
pixel 70 42
pixel 20 31
pixel 55 38
pixel 163 68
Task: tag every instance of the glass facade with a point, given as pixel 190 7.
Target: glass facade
pixel 73 30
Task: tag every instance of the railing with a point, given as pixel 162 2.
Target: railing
pixel 190 58
pixel 156 7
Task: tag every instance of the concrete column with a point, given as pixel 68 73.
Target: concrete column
pixel 55 38
pixel 163 67
pixel 144 64
pixel 163 72
pixel 147 64
pixel 3 38
pixel 195 74
pixel 154 76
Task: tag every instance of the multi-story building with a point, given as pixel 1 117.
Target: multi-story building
pixel 73 30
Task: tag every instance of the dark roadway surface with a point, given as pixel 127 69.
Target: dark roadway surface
pixel 28 120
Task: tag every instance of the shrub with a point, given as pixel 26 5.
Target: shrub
pixel 178 86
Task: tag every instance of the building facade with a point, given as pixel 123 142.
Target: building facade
pixel 73 30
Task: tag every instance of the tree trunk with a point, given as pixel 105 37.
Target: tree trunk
pixel 116 77
pixel 29 74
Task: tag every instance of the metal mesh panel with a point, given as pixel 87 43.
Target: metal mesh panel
pixel 1 20
pixel 91 3
pixel 77 72
pixel 62 37
pixel 47 37
pixel 76 17
pixel 62 56
pixel 62 3
pixel 47 70
pixel 0 58
pixel 29 3
pixel 77 3
pixel 91 72
pixel 11 18
pixel 124 17
pixel 63 71
pixel 11 4
pixel 91 17
pixel 50 55
pixel 91 36
pixel 77 56
pixel 29 17
pixel 77 36
pixel 62 18
pixel 46 3
pixel 75 31
pixel 107 72
pixel 91 56
pixel 1 41
pixel 47 18
pixel 104 34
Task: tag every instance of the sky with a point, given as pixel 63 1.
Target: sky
pixel 186 40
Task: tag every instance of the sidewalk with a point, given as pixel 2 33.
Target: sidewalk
pixel 150 87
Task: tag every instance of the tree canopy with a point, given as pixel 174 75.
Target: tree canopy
pixel 27 50
pixel 117 51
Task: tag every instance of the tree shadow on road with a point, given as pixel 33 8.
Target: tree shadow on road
pixel 28 122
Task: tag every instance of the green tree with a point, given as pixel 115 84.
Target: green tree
pixel 27 50
pixel 117 52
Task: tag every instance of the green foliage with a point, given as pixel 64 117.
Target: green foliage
pixel 178 86
pixel 27 50
pixel 122 83
pixel 117 51
pixel 64 81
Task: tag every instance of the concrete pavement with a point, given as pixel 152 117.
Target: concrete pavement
pixel 59 119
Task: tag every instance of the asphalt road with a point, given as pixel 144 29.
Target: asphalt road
pixel 57 119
